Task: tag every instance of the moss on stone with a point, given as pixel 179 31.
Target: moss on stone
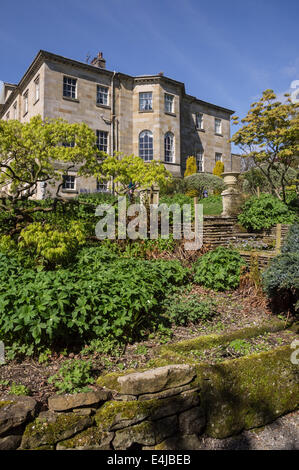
pixel 44 432
pixel 248 392
pixel 5 403
pixel 141 433
pixel 213 340
pixel 119 411
pixel 116 415
pixel 110 380
pixel 90 437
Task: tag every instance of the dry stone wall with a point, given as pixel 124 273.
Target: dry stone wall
pixel 167 407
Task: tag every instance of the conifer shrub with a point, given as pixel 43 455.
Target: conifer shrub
pixel 281 278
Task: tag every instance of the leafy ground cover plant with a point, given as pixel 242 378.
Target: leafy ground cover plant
pixel 18 389
pixel 73 376
pixel 41 309
pixel 185 310
pixel 219 269
pixel 263 212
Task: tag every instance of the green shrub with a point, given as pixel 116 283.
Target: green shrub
pixel 219 269
pixel 263 212
pixel 201 181
pixel 281 278
pixel 52 246
pixel 93 299
pixel 177 185
pixel 186 310
pixel 73 376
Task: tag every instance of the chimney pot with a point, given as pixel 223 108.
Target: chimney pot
pixel 99 61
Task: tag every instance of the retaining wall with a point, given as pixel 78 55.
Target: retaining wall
pixel 167 407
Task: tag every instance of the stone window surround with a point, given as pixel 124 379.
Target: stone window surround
pixel 169 148
pixel 15 116
pixel 172 102
pixel 220 127
pixel 70 190
pixel 218 157
pixel 200 160
pixel 25 97
pixel 104 105
pixel 148 149
pixel 139 106
pixel 102 186
pixel 198 121
pixel 36 89
pixel 69 98
pixel 98 131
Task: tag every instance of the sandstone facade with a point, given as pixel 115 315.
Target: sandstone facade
pixel 196 127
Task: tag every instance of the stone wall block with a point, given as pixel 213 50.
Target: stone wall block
pixel 155 380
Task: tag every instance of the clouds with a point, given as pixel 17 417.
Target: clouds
pixel 291 70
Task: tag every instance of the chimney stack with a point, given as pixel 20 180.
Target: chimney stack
pixel 99 61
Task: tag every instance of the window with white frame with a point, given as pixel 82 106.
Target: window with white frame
pixel 15 116
pixel 199 161
pixel 169 103
pixel 36 89
pixel 218 157
pixel 102 95
pixel 218 126
pixel 146 101
pixel 25 102
pixel 199 120
pixel 146 145
pixel 102 141
pixel 70 87
pixel 69 182
pixel 102 186
pixel 169 147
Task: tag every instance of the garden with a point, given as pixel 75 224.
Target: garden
pixel 76 311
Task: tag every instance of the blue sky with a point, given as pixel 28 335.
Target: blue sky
pixel 226 52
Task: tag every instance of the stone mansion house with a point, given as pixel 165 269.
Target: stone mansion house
pixel 150 115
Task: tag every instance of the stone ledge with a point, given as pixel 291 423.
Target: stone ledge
pixel 156 380
pixel 78 400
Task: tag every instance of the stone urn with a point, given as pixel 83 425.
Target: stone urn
pixel 231 196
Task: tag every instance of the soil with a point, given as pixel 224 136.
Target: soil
pixel 235 310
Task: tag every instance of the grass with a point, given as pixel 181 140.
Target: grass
pixel 212 205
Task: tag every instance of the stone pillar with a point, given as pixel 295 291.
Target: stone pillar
pixel 231 197
pixel 150 196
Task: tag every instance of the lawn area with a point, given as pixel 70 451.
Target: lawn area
pixel 212 205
